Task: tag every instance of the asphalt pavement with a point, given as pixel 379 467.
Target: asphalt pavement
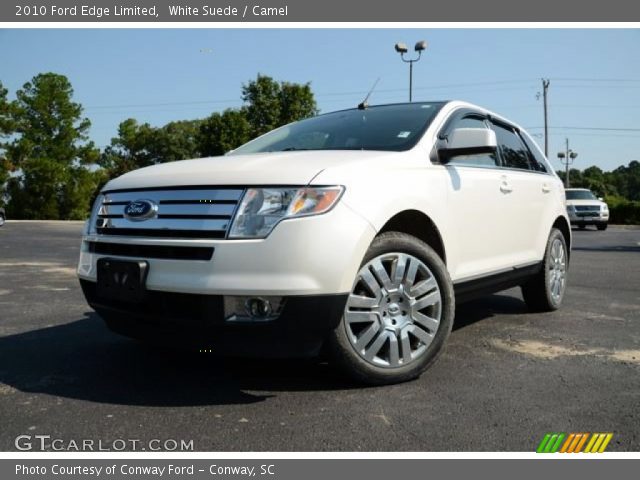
pixel 507 376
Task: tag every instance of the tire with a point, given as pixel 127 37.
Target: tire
pixel 602 226
pixel 1 220
pixel 544 292
pixel 582 226
pixel 394 334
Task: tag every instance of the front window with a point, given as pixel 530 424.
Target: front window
pixel 580 195
pixel 387 127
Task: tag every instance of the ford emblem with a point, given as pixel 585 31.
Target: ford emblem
pixel 140 210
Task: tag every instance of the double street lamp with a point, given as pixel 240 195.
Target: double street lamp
pixel 402 49
pixel 567 157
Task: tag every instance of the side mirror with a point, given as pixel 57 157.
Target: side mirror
pixel 467 141
pixel 601 199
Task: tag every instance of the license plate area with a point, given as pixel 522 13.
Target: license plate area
pixel 122 280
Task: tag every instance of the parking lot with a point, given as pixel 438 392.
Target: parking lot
pixel 507 376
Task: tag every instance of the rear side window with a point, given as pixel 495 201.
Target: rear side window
pixel 537 159
pixel 477 160
pixel 513 152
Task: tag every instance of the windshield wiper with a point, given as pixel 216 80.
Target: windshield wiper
pixel 292 149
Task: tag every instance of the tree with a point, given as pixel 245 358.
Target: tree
pixel 271 104
pixel 297 102
pixel 6 129
pixel 50 146
pixel 141 145
pixel 176 141
pixel 627 180
pixel 221 133
pixel 596 180
pixel 129 150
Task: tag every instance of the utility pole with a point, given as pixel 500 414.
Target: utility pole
pixel 567 157
pixel 545 87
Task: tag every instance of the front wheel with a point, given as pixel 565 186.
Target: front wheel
pixel 544 292
pixel 398 315
pixel 601 226
pixel 1 220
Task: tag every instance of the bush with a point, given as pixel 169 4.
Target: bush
pixel 623 211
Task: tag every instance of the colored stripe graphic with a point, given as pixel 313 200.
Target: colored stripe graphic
pixel 554 442
pixel 550 443
pixel 567 443
pixel 581 443
pixel 598 442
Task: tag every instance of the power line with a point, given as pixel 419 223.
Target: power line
pixel 319 95
pixel 607 129
pixel 569 79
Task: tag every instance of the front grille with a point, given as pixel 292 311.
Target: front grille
pixel 168 252
pixel 587 208
pixel 196 212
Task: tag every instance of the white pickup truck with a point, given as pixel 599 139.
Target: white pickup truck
pixel 352 233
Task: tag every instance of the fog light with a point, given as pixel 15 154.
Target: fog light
pixel 252 309
pixel 258 308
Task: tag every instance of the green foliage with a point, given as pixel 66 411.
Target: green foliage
pixel 624 181
pixel 221 133
pixel 141 145
pixel 177 141
pixel 49 149
pixel 623 211
pixel 6 129
pixel 129 150
pixel 271 104
pixel 268 104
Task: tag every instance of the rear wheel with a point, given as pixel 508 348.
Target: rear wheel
pixel 544 292
pixel 398 315
pixel 1 220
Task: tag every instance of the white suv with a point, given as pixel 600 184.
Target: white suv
pixel 352 233
pixel 584 208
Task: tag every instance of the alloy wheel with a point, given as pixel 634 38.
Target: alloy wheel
pixel 393 312
pixel 557 270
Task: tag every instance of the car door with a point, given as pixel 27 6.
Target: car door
pixel 476 206
pixel 525 190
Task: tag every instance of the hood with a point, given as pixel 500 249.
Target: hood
pixel 276 168
pixel 585 202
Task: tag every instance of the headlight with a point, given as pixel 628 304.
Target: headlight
pixel 91 223
pixel 604 207
pixel 262 209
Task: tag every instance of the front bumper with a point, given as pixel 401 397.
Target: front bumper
pixel 589 220
pixel 316 255
pixel 197 321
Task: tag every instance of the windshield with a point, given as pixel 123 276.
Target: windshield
pixel 388 127
pixel 580 195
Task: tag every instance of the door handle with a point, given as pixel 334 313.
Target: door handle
pixel 505 187
pixel 546 188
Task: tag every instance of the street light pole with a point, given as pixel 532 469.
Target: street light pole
pixel 401 48
pixel 411 80
pixel 567 157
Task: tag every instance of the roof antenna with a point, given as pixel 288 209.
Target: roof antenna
pixel 364 105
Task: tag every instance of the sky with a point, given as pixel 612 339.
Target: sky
pixel 160 75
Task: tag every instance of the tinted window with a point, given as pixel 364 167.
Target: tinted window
pixel 387 127
pixel 579 195
pixel 537 159
pixel 476 160
pixel 513 152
